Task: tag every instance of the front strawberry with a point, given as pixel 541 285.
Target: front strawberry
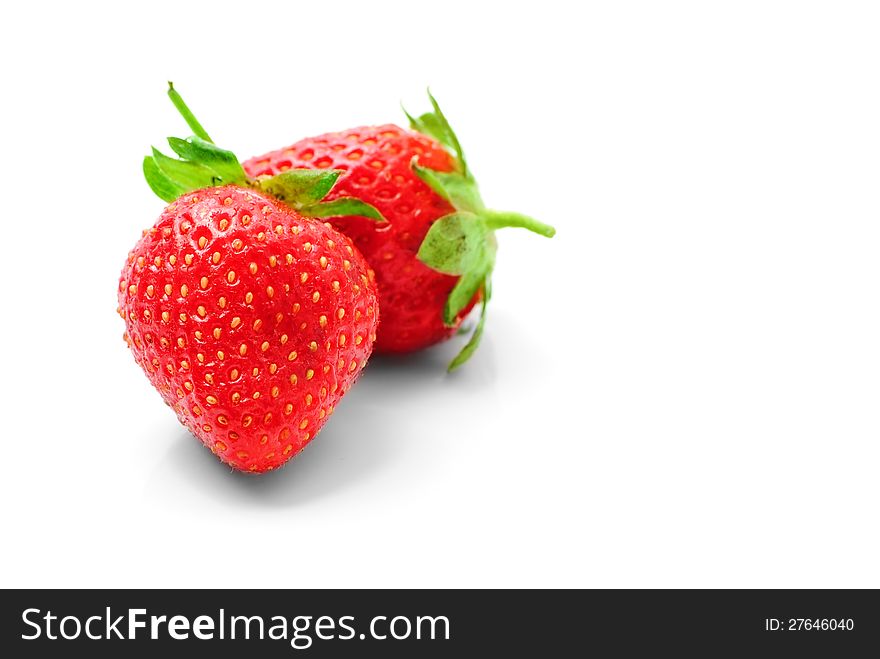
pixel 434 259
pixel 250 319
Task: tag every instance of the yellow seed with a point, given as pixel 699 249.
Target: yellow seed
pixel 323 262
pixel 206 428
pixel 293 379
pixel 202 311
pixel 198 335
pixel 330 244
pixel 342 339
pixel 340 313
pixel 224 224
pixel 288 449
pixel 200 357
pixel 242 349
pixel 220 355
pixel 215 257
pixel 246 420
pixel 188 259
pixel 233 374
pixel 188 385
pixel 283 339
pixel 288 258
pixel 316 296
pixel 296 307
pixel 257 325
pixel 273 261
pixel 165 316
pixel 168 289
pixel 322 321
pixel 304 277
pixel 353 365
pixel 249 297
pixel 237 244
pixel 252 268
pixel 303 424
pixel 230 276
pixel 202 242
pixel 264 439
pixel 255 372
pixel 184 365
pixel 264 346
pixel 184 290
pixel 291 356
pixel 272 368
pixel 313 346
pixel 335 286
pixel 270 291
pixel 182 317
pixel 158 261
pixel 203 282
pixel 172 259
pixel 310 374
pixel 221 301
pixel 217 332
pixel 255 395
pixel 279 317
pixel 307 247
pixel 236 321
pixel 236 397
pixel 288 408
pixel 275 392
pixel 346 265
pixel 309 399
pixel 222 420
pixel 180 342
pixel 211 400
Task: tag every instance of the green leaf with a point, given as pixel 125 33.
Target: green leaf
pixel 436 125
pixel 301 187
pixel 459 191
pixel 222 162
pixel 190 175
pixel 343 207
pixel 159 183
pixel 186 113
pixel 462 294
pixel 453 243
pixel 472 345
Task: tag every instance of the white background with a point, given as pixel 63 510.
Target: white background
pixel 680 389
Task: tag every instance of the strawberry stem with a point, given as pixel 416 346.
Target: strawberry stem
pixel 500 220
pixel 187 114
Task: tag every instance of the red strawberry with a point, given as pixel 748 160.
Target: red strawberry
pixel 435 258
pixel 251 319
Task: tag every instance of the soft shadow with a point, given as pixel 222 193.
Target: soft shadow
pixel 355 445
pixel 368 434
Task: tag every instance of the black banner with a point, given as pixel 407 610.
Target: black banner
pixel 420 623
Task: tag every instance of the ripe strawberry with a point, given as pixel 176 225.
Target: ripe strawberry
pixel 435 258
pixel 251 319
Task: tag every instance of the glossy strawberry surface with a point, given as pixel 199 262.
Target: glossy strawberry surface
pixel 251 321
pixel 377 165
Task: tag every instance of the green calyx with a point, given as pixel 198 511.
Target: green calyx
pixel 462 243
pixel 202 164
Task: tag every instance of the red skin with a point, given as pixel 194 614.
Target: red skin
pixel 377 164
pixel 254 372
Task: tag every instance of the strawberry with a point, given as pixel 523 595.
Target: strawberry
pixel 251 319
pixel 434 259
